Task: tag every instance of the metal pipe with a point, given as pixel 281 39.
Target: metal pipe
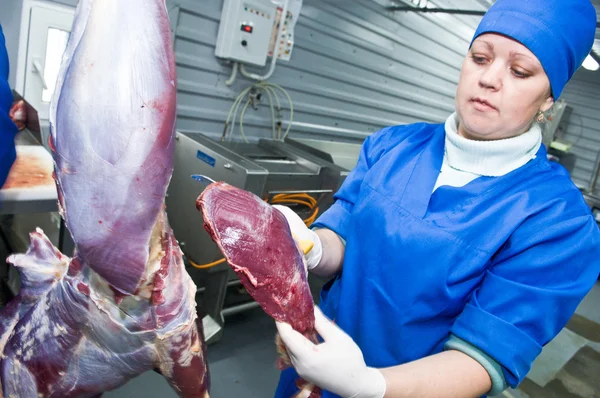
pixel 239 308
pixel 443 11
pixel 596 174
pixel 301 191
pixel 437 10
pixel 233 282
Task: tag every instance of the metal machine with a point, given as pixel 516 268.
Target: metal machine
pixel 266 168
pixel 343 154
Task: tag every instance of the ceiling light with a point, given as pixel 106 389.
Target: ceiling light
pixel 590 63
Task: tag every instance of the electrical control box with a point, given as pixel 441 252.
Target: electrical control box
pixel 245 30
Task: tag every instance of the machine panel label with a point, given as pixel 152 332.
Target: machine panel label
pixel 206 159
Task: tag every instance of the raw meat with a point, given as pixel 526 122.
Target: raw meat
pixel 124 303
pixel 18 114
pixel 257 243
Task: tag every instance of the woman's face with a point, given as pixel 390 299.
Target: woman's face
pixel 502 86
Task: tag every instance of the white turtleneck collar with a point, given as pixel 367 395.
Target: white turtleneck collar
pixel 465 160
pixel 489 158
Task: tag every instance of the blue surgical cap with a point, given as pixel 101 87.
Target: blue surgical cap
pixel 559 32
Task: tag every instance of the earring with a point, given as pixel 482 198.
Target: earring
pixel 540 117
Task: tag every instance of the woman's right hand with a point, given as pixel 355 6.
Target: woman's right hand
pixel 303 234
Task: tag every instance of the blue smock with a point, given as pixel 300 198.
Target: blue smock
pixel 502 262
pixel 7 127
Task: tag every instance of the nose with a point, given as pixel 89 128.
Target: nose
pixel 491 77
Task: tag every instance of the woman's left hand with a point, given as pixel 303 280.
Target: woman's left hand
pixel 336 365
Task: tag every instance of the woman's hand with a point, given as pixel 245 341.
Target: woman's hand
pixel 336 365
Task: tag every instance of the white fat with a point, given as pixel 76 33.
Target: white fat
pixel 59 329
pixel 6 336
pixel 155 256
pixel 43 331
pixel 185 359
pixel 296 281
pixel 39 324
pixel 28 355
pixel 231 236
pixel 28 343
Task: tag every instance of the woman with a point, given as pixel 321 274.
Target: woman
pixel 7 127
pixel 457 250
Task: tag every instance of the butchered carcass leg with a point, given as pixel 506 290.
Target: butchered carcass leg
pixel 76 341
pixel 124 304
pixel 182 350
pixel 189 375
pixel 55 351
pixel 112 124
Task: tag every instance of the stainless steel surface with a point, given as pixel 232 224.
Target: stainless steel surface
pixel 239 308
pixel 305 172
pixel 343 154
pixel 197 155
pixel 231 283
pixel 214 297
pixel 212 329
pixel 265 168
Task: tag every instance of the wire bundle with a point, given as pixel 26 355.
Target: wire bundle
pixel 251 94
pixel 299 198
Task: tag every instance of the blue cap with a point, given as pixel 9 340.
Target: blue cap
pixel 559 32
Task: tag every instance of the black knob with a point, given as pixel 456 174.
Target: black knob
pixel 244 43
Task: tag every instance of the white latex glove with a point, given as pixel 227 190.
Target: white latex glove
pixel 336 365
pixel 303 234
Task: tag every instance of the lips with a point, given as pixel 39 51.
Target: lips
pixel 482 104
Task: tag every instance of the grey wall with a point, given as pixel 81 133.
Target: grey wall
pixel 355 68
pixel 10 19
pixel 583 124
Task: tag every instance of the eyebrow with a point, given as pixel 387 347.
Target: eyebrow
pixel 489 45
pixel 514 54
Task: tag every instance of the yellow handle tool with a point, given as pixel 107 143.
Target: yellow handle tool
pixel 305 245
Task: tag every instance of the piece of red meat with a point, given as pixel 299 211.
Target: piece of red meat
pixel 255 239
pixel 18 114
